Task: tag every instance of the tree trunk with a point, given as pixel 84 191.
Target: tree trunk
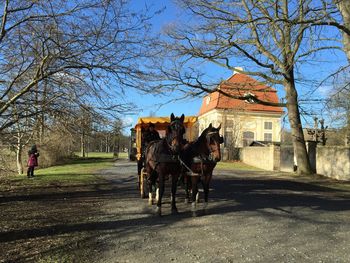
pixel 344 8
pixel 19 156
pixel 302 158
pixel 82 145
pixel 106 148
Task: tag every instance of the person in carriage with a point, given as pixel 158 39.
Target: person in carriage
pixel 150 135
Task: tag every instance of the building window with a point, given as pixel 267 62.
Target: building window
pixel 268 137
pixel 248 138
pixel 268 125
pixel 228 139
pixel 229 123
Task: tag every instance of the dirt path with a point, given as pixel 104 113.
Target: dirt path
pixel 251 217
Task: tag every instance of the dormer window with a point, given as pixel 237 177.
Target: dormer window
pixel 207 100
pixel 249 96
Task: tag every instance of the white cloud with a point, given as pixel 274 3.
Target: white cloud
pixel 128 121
pixel 325 90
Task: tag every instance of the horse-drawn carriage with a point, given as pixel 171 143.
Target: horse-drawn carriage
pixel 161 124
pixel 179 153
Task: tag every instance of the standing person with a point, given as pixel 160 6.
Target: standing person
pixel 33 155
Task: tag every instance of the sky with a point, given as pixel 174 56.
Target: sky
pixel 163 106
pixel 149 103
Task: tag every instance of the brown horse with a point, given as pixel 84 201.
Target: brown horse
pixel 162 160
pixel 199 159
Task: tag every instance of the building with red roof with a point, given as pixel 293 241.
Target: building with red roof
pixel 241 120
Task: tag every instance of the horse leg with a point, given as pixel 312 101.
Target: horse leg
pixel 206 182
pixel 157 193
pixel 161 192
pixel 187 188
pixel 148 180
pixel 139 168
pixel 174 179
pixel 150 192
pixel 194 182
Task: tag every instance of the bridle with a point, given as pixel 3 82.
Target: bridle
pixel 177 124
pixel 215 148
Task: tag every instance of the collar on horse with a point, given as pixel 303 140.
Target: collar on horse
pixel 200 157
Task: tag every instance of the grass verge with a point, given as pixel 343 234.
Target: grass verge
pixel 75 171
pixel 48 218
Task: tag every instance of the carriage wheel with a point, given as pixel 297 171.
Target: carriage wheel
pixel 142 183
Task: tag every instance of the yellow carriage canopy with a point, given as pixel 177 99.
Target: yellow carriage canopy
pixel 160 123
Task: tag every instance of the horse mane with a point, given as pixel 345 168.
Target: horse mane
pixel 192 149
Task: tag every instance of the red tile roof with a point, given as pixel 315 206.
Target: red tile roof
pixel 238 85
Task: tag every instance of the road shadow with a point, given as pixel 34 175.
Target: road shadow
pixel 260 192
pixel 230 193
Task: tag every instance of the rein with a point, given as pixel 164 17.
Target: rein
pixel 188 168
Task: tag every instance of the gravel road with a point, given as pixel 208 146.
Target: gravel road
pixel 253 216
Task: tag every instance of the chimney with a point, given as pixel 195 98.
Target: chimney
pixel 238 68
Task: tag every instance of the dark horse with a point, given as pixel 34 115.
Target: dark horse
pixel 162 160
pixel 199 159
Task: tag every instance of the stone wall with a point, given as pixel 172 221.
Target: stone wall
pixel 329 161
pixel 266 158
pixel 333 162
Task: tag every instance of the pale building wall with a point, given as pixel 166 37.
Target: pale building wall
pixel 331 161
pixel 242 121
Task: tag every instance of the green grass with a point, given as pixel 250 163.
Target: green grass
pixel 97 155
pixel 121 155
pixel 74 171
pixel 235 165
pixel 80 169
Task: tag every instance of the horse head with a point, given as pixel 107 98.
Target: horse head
pixel 213 141
pixel 175 132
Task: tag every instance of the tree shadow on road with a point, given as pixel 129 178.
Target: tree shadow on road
pixel 257 193
pixel 76 220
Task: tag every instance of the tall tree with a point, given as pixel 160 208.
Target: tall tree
pixel 338 104
pixel 269 38
pixel 344 8
pixel 101 46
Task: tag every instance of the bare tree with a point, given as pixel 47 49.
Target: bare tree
pixel 270 39
pixel 338 104
pixel 344 8
pixel 100 46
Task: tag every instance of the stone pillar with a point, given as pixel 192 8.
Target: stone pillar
pixel 311 151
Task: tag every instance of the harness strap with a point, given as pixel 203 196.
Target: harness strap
pixel 188 168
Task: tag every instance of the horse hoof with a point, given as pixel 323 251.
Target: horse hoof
pixel 205 205
pixel 158 211
pixel 187 201
pixel 193 207
pixel 174 211
pixel 150 202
